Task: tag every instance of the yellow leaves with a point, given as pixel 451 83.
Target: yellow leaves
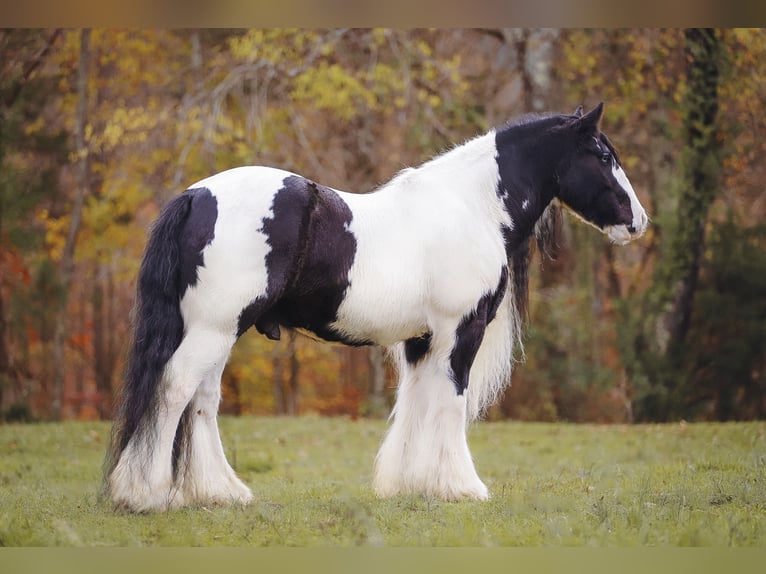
pixel 112 134
pixel 150 126
pixel 634 67
pixel 424 48
pixel 578 57
pixel 247 47
pixel 425 97
pixel 629 162
pixel 55 233
pixel 379 36
pixel 273 45
pixel 330 87
pixel 107 232
pixel 125 126
pixel 35 126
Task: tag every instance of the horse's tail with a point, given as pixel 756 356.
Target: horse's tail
pixel 157 330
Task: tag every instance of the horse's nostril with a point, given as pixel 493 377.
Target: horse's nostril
pixel 640 227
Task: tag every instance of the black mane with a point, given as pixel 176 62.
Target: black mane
pixel 538 120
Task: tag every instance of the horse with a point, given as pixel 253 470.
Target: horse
pixel 431 265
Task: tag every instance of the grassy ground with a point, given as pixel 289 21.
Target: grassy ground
pixel 551 484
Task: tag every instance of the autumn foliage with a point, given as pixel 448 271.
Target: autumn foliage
pixel 160 109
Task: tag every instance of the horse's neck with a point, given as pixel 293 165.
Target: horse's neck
pixel 525 206
pixel 527 185
pixel 467 170
pixel 473 173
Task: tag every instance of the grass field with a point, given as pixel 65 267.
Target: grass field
pixel 551 484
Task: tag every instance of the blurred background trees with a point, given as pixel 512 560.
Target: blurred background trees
pixel 99 128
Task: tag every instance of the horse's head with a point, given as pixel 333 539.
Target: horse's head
pixel 592 183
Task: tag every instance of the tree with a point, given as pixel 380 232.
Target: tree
pixel 350 108
pixel 670 302
pixel 27 161
pixel 75 217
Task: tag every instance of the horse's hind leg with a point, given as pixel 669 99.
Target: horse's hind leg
pixel 147 477
pixel 143 478
pixel 207 476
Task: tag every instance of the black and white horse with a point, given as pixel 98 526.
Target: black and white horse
pixel 431 265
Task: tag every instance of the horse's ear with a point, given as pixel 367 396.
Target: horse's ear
pixel 578 112
pixel 590 122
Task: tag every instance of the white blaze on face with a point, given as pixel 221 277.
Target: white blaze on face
pixel 620 233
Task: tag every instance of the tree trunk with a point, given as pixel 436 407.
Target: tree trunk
pixel 699 183
pixel 103 353
pixel 377 397
pixel 292 396
pixel 7 372
pixel 660 343
pixel 276 379
pixel 105 392
pixel 12 89
pixel 67 258
pixel 520 41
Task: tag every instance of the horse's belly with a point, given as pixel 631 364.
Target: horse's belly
pixel 382 316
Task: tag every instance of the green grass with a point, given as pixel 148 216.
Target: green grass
pixel 551 484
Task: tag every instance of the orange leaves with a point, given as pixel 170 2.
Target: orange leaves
pixel 743 126
pixel 81 340
pixel 13 268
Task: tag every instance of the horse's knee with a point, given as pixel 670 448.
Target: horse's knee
pixel 180 387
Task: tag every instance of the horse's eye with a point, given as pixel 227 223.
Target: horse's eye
pixel 606 157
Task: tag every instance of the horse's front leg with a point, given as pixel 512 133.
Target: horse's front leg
pixel 426 449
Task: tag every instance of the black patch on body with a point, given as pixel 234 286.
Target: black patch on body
pixel 198 232
pixel 311 254
pixel 470 333
pixel 416 348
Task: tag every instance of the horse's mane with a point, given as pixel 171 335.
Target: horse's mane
pixel 547 234
pixel 528 119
